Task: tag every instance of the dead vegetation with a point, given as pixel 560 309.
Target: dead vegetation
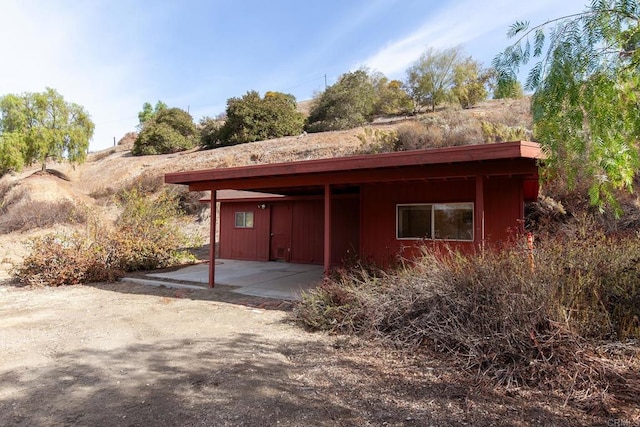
pixel 514 319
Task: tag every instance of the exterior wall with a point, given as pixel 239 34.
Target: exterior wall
pixel 504 209
pixel 345 229
pixel 364 225
pixel 378 215
pixel 305 241
pixel 250 244
pixel 307 232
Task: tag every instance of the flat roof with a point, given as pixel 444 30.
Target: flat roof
pixel 346 174
pixel 435 156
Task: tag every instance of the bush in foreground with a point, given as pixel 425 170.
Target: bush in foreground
pixel 495 313
pixel 145 237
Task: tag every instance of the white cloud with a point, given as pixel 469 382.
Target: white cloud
pixel 459 24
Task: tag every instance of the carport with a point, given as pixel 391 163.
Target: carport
pixel 379 205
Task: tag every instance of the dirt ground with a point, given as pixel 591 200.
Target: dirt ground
pixel 131 355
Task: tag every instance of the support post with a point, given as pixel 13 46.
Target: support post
pixel 479 213
pixel 327 228
pixel 212 241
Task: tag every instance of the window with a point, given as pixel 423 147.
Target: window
pixel 441 221
pixel 244 219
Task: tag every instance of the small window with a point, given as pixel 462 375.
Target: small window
pixel 244 219
pixel 442 221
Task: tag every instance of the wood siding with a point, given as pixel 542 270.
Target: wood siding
pixel 251 244
pixel 504 209
pixel 378 215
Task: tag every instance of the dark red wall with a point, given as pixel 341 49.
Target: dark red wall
pixel 365 224
pixel 307 237
pixel 306 243
pixel 345 229
pixel 378 215
pixel 504 209
pixel 244 243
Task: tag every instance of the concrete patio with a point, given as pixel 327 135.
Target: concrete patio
pixel 280 280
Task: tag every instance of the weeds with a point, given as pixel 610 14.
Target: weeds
pixel 146 236
pixel 25 216
pixel 495 314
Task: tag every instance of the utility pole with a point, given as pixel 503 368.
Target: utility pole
pixel 325 82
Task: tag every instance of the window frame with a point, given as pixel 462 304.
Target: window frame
pixel 244 219
pixel 433 221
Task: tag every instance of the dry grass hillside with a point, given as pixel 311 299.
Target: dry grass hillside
pixel 32 202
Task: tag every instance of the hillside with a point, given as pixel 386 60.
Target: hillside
pixel 26 195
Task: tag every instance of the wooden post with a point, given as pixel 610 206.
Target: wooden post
pixel 327 228
pixel 212 241
pixel 478 215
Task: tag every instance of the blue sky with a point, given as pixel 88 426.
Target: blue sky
pixel 113 55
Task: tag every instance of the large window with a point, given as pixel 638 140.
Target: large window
pixel 440 221
pixel 244 219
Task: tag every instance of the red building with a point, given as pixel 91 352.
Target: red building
pixel 373 207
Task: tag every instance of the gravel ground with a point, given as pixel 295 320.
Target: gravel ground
pixel 130 355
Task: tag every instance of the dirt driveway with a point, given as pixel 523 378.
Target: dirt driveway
pixel 132 355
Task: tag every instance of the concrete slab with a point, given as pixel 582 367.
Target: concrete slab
pixel 263 279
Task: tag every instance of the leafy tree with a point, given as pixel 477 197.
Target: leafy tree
pixel 586 84
pixel 170 131
pixel 469 82
pixel 38 126
pixel 391 97
pixel 348 103
pixel 508 88
pixel 252 118
pixel 209 129
pixel 149 112
pixel 430 78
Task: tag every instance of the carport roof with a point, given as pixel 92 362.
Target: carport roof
pixel 293 177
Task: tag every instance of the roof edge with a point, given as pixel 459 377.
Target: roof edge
pixel 445 155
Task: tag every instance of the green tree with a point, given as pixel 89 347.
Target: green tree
pixel 391 97
pixel 430 78
pixel 252 118
pixel 37 126
pixel 508 88
pixel 170 131
pixel 348 103
pixel 586 84
pixel 209 129
pixel 469 82
pixel 149 112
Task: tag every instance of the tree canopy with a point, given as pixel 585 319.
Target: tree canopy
pixel 149 112
pixel 469 82
pixel 429 79
pixel 254 118
pixel 170 131
pixel 348 103
pixel 586 82
pixel 38 126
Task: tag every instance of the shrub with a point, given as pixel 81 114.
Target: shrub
pixel 59 259
pixel 495 312
pixel 29 215
pixel 210 132
pixel 170 131
pixel 497 132
pixel 375 141
pixel 252 118
pixel 347 104
pixel 416 135
pixel 145 237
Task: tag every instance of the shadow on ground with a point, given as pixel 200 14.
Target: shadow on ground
pixel 246 381
pixel 221 293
